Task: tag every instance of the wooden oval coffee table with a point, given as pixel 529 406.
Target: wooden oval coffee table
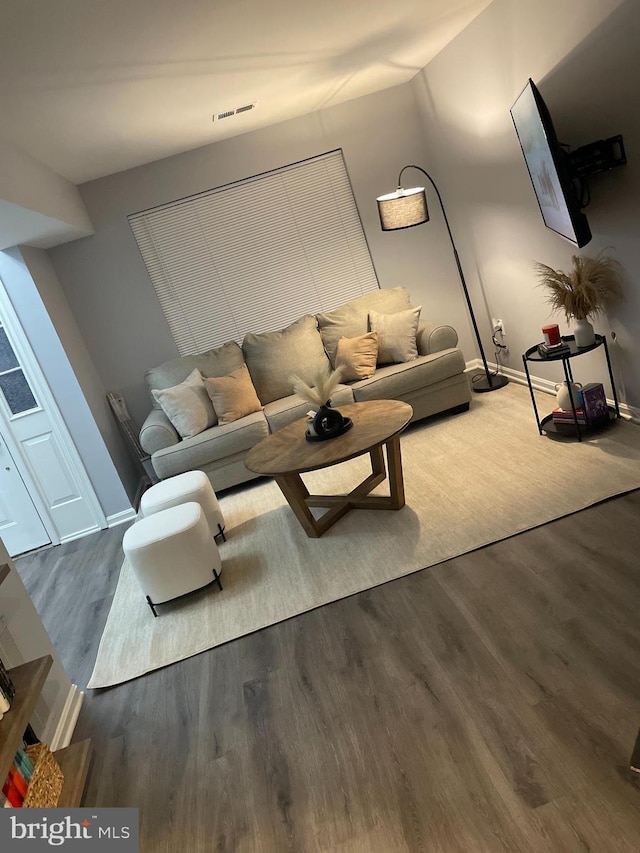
pixel 286 454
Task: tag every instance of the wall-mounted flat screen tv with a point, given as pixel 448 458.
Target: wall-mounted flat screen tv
pixel 548 167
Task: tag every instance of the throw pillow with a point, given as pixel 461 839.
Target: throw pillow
pixel 396 335
pixel 357 357
pixel 219 361
pixel 187 405
pixel 351 318
pixel 233 396
pixel 273 356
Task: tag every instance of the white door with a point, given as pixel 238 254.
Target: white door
pixel 21 528
pixel 36 437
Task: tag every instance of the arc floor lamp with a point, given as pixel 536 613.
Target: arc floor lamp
pixel 406 208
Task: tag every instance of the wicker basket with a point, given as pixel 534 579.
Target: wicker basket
pixel 45 785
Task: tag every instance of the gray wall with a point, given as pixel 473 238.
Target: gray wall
pixel 452 119
pixel 584 57
pixel 107 285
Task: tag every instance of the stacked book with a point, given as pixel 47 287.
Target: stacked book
pixel 547 350
pixel 593 409
pixel 15 786
pixel 562 416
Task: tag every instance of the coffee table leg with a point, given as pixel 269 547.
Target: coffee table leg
pixel 377 461
pixel 396 480
pixel 296 493
pixel 299 499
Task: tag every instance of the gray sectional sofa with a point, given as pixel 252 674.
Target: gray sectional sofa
pixel 433 382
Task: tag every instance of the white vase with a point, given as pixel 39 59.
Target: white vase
pixel 563 397
pixel 583 333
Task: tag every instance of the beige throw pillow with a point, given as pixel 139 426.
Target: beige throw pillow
pixel 233 396
pixel 357 357
pixel 396 335
pixel 187 405
pixel 352 318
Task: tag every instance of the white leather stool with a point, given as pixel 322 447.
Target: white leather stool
pixel 190 486
pixel 172 553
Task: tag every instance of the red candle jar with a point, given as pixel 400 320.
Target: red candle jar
pixel 551 335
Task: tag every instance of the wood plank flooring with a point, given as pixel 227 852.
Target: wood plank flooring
pixel 490 703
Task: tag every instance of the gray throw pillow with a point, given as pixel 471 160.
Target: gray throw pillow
pixel 187 405
pixel 273 356
pixel 396 335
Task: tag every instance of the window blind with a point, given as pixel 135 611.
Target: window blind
pixel 257 254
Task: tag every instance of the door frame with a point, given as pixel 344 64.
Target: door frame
pixel 43 393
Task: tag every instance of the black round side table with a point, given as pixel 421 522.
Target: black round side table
pixel 575 429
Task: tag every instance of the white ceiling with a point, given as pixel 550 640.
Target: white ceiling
pixel 91 87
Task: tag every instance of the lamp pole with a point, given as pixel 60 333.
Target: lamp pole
pixel 492 381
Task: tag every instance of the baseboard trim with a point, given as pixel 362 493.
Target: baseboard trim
pixel 546 386
pixel 122 517
pixel 68 718
pixel 79 534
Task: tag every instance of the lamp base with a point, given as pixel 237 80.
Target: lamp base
pixel 490 383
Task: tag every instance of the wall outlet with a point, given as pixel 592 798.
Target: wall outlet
pixel 497 326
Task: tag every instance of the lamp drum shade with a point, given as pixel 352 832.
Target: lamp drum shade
pixel 403 209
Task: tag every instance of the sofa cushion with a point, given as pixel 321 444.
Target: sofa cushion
pixel 215 443
pixel 352 318
pixel 219 361
pixel 273 356
pixel 395 380
pixel 233 396
pixel 356 358
pixel 396 335
pixel 281 412
pixel 187 405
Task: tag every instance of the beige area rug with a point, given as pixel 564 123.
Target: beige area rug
pixel 470 479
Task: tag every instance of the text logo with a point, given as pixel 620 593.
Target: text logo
pixel 33 830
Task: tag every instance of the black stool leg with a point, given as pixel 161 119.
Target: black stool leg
pixel 217 579
pixel 150 603
pixel 220 533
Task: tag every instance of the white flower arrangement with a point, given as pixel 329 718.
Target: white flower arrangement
pixel 318 394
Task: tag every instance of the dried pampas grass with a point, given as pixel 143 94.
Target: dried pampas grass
pixel 587 289
pixel 323 387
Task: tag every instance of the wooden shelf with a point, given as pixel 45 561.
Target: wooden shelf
pixel 74 762
pixel 28 679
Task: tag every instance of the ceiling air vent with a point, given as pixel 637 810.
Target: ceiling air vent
pixel 228 113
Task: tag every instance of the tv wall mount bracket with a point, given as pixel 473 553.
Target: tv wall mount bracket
pixel 600 156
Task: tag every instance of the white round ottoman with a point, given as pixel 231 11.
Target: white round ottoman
pixel 190 486
pixel 172 553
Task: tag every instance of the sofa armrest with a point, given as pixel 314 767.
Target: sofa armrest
pixel 434 337
pixel 157 432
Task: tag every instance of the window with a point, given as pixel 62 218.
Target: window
pixel 13 384
pixel 255 255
